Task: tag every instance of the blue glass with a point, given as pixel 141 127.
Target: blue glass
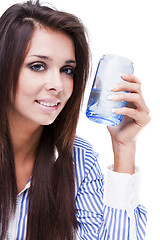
pixel 99 107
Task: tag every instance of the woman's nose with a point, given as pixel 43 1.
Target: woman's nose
pixel 54 81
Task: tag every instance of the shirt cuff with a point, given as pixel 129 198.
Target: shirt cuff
pixel 121 190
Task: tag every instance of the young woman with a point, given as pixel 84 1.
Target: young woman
pixel 51 185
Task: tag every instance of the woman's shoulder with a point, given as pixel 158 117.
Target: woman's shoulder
pixel 85 146
pixel 81 143
pixel 87 168
pixel 84 156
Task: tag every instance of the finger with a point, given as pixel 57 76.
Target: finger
pixel 141 118
pixel 131 78
pixel 126 86
pixel 141 109
pixel 134 98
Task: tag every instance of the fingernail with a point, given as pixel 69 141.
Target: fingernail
pixel 110 97
pixel 112 88
pixel 124 75
pixel 113 110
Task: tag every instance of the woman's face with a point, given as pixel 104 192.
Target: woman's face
pixel 46 78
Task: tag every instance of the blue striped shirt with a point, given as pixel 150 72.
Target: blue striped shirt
pixel 96 220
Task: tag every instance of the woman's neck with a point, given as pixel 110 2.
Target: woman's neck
pixel 24 141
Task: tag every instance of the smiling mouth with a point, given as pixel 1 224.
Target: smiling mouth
pixel 48 104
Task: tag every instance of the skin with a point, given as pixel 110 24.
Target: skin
pixel 46 77
pixel 136 116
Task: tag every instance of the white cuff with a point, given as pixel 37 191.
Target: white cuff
pixel 121 190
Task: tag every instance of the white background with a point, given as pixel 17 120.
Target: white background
pixel 129 28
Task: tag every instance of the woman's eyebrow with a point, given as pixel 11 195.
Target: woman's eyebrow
pixel 50 59
pixel 41 56
pixel 70 61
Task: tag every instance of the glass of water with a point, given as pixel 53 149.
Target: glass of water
pixel 109 70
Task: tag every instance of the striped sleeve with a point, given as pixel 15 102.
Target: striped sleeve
pixel 140 214
pixel 117 224
pixel 97 220
pixel 89 205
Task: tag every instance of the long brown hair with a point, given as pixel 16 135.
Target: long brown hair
pixel 51 211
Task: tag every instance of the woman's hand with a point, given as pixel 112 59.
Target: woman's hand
pixel 136 116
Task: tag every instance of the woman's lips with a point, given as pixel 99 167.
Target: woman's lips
pixel 48 105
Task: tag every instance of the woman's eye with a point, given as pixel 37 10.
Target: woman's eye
pixel 69 70
pixel 37 67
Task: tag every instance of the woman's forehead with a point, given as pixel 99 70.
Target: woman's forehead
pixel 51 43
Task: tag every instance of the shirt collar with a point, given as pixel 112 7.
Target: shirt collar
pixel 28 184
